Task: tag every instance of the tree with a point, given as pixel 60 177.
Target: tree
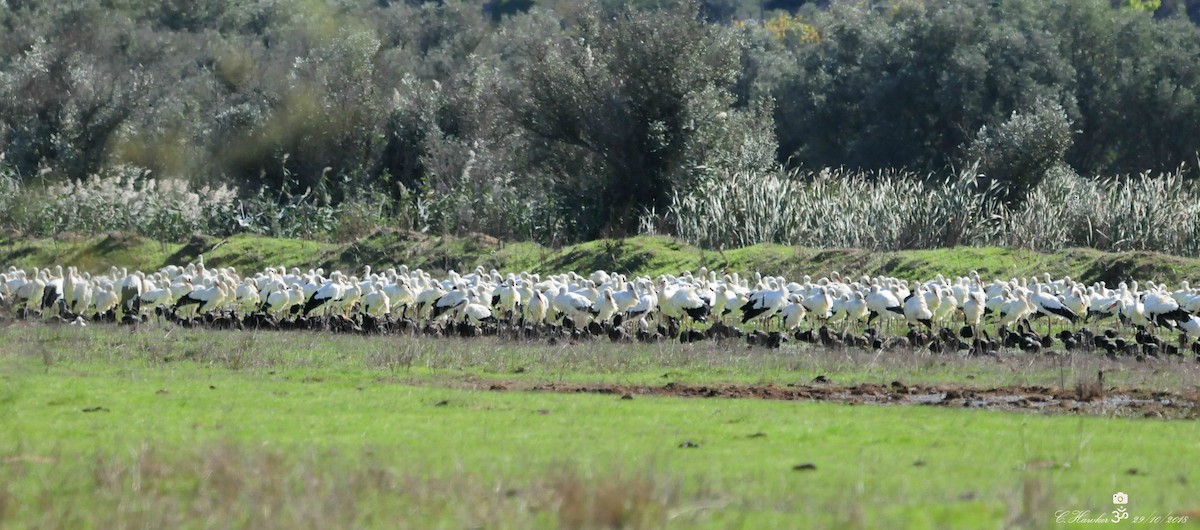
pixel 911 86
pixel 1020 151
pixel 72 87
pixel 613 104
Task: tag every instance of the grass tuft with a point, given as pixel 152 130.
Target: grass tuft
pixel 1032 505
pixel 617 500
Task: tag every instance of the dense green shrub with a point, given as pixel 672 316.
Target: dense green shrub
pixel 637 100
pixel 1019 152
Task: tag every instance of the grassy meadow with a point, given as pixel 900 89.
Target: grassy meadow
pixel 108 428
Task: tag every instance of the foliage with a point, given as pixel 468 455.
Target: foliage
pixel 1019 152
pixel 1141 5
pixel 10 187
pixel 1142 212
pixel 791 28
pixel 909 87
pixel 625 95
pixel 76 76
pixel 558 121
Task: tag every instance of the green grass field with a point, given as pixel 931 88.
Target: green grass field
pixel 163 428
pixel 107 428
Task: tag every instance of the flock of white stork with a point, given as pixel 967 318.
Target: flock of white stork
pixel 621 306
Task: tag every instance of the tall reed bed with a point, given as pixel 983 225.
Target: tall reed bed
pixel 883 210
pixel 131 199
pixel 889 210
pixel 895 210
pixel 123 198
pixel 10 186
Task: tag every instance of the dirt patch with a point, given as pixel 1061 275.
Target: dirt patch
pixel 1112 401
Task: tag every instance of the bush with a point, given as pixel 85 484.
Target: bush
pixel 567 121
pixel 1017 153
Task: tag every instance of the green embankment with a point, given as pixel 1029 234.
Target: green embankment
pixel 637 255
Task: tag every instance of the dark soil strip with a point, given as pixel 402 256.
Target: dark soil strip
pixel 1086 399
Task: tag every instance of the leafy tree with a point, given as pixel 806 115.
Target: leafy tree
pixel 909 88
pixel 719 11
pixel 613 104
pixel 789 5
pixel 1020 151
pixel 67 93
pixel 1135 84
pixel 1141 5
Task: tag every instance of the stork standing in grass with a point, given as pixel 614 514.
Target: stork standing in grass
pixel 573 306
pixel 1191 328
pixel 1014 308
pixel 1162 309
pixel 793 314
pixel 853 308
pixel 246 296
pixel 973 308
pixel 279 302
pixel 647 302
pixel 604 307
pixel 682 302
pixel 1049 305
pixel 883 303
pixel 765 303
pixel 536 309
pixel 204 300
pixel 448 301
pixel 818 302
pixel 31 291
pixel 916 310
pixel 131 292
pixel 475 313
pixel 400 294
pixel 375 302
pixel 506 297
pixel 329 292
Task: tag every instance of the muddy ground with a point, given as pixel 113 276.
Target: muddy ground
pixel 1089 399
